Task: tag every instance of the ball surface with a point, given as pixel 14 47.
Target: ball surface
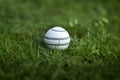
pixel 57 37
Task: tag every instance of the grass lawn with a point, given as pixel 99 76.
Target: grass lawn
pixel 94 51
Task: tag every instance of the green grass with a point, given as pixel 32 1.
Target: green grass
pixel 94 51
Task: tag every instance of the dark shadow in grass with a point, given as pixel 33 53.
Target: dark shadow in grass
pixel 38 41
pixel 39 38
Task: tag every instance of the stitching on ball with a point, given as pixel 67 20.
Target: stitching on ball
pixel 58 44
pixel 49 38
pixel 57 30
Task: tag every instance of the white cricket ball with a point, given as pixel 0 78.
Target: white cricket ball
pixel 57 37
